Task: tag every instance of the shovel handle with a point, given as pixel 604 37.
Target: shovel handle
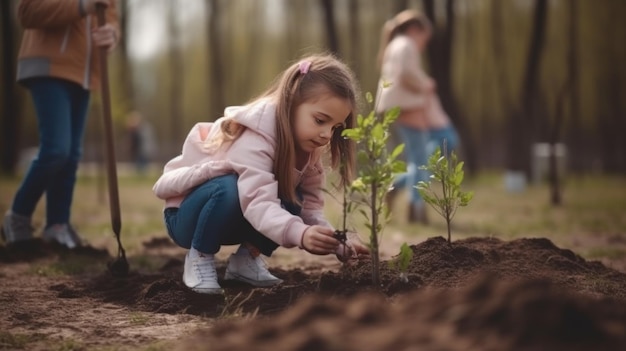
pixel 114 200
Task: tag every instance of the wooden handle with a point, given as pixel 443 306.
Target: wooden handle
pixel 114 200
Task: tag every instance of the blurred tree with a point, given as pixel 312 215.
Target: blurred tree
pixel 611 92
pixel 10 119
pixel 399 5
pixel 575 133
pixel 522 121
pixel 332 40
pixel 125 69
pixel 355 35
pixel 440 62
pixel 500 69
pixel 176 116
pixel 215 79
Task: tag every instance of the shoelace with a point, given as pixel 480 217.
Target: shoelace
pixel 258 264
pixel 203 266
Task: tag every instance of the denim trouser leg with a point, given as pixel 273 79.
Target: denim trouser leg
pixel 415 142
pixel 437 136
pixel 210 216
pixel 61 108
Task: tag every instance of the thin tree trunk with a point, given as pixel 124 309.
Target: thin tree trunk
pixel 332 40
pixel 440 62
pixel 555 133
pixel 374 238
pixel 355 36
pixel 126 76
pixel 216 80
pixel 176 78
pixel 522 122
pixel 576 136
pixel 614 146
pixel 10 119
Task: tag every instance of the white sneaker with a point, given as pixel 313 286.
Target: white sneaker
pixel 16 228
pixel 199 274
pixel 252 270
pixel 64 234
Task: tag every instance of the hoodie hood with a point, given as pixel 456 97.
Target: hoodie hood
pixel 259 116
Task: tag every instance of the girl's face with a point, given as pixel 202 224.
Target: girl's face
pixel 316 120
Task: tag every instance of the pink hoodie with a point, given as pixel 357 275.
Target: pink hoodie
pixel 251 156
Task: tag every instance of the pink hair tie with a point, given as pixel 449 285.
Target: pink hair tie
pixel 304 66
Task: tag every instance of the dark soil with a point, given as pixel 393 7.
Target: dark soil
pixel 473 294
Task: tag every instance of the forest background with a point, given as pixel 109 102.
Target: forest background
pixel 511 73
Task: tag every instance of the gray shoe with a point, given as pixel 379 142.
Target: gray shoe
pixel 16 228
pixel 248 269
pixel 64 234
pixel 200 275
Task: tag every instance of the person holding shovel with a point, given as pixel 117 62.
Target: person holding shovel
pixel 255 177
pixel 58 64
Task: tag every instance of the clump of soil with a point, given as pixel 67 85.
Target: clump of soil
pixel 475 294
pixel 435 264
pixel 487 315
pixel 530 295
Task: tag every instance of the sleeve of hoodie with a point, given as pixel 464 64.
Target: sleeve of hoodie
pixel 313 197
pixel 251 156
pixel 55 13
pixel 190 168
pixel 411 74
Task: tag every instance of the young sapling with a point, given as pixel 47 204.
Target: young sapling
pixel 377 168
pixel 448 172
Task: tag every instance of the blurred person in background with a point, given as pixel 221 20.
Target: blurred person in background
pixel 422 124
pixel 58 64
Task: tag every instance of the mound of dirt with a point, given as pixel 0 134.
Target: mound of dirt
pixel 486 315
pixel 473 294
pixel 435 264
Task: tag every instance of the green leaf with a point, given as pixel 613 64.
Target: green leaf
pixel 398 167
pixel 397 151
pixel 459 167
pixel 369 98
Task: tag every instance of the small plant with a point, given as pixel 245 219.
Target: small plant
pixel 346 206
pixel 375 174
pixel 402 261
pixel 449 173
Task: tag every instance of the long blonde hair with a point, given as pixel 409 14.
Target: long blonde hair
pixel 398 25
pixel 292 88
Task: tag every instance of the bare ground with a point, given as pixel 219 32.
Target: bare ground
pixel 475 294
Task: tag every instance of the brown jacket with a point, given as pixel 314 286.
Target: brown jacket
pixel 57 41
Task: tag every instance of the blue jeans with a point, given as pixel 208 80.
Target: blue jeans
pixel 437 136
pixel 210 216
pixel 415 143
pixel 61 108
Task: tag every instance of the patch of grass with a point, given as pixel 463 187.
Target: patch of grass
pixel 606 252
pixel 146 262
pixel 69 345
pixel 70 265
pixel 591 204
pixel 18 341
pixel 138 318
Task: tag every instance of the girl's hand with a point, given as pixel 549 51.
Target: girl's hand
pixel 355 249
pixel 105 36
pixel 319 240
